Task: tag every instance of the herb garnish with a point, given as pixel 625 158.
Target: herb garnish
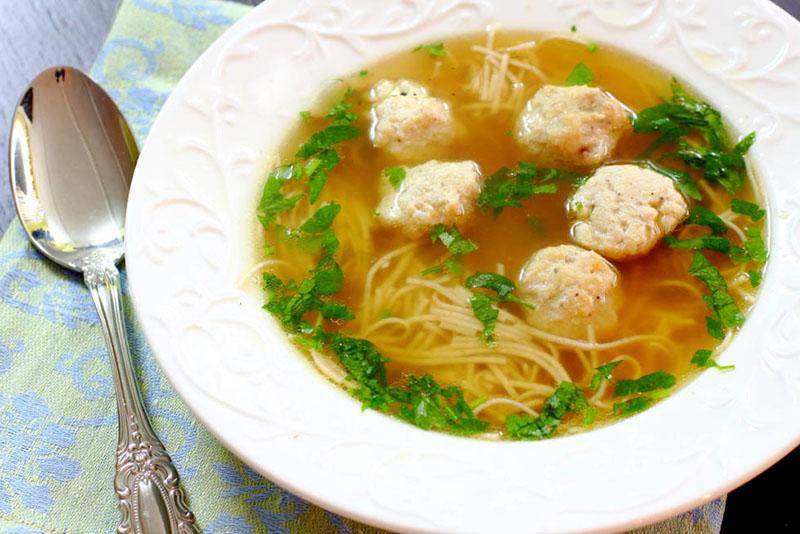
pixel 603 372
pixel 482 305
pixel 702 216
pixel 508 188
pixel 485 311
pixel 683 115
pixel 580 75
pixel 755 278
pixel 644 384
pixel 708 242
pixel 702 358
pixel 456 244
pixel 682 180
pixel 631 406
pixel 743 207
pixel 753 248
pixel 592 48
pixel 434 49
pixel 724 311
pixel 395 175
pixel 567 398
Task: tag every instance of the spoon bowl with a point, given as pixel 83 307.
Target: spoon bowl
pixel 72 157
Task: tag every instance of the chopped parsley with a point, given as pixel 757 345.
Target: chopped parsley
pixel 433 49
pixel 508 188
pixel 724 311
pixel 603 372
pixel 684 115
pixel 682 180
pixel 702 216
pixel 273 202
pixel 502 286
pixel 573 28
pixel 363 73
pixel 290 302
pixel 592 48
pixel 580 75
pixel 325 139
pixel 702 358
pixel 484 310
pixel 644 384
pixel 631 406
pixel 753 248
pixel 743 207
pixel 456 244
pixel 305 115
pixel 365 366
pixel 395 175
pixel 707 242
pixel 567 398
pixel 483 305
pixel 316 158
pixel 426 404
pixel 755 278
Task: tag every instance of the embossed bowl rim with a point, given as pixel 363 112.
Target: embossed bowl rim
pixel 190 228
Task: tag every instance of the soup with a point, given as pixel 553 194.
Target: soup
pixel 567 288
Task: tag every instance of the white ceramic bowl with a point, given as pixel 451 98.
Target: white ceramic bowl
pixel 191 215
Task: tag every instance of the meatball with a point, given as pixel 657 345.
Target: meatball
pixel 406 121
pixel 622 211
pixel 575 126
pixel 572 288
pixel 432 193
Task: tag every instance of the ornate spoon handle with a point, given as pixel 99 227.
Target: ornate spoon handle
pixel 146 481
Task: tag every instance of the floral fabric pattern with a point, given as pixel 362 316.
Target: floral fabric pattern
pixel 58 425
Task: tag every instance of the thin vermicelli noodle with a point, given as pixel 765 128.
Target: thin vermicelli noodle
pixel 411 303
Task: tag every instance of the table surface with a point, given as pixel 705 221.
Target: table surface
pixel 35 34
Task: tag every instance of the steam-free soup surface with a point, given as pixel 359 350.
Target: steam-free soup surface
pixel 424 324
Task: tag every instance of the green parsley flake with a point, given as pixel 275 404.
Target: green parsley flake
pixel 708 242
pixel 305 115
pixel 675 120
pixel 631 406
pixel 603 372
pixel 682 180
pixel 702 216
pixel 567 398
pixel 743 207
pixel 456 244
pixel 508 188
pixel 755 278
pixel 363 73
pixel 486 313
pixel 573 28
pixel 702 358
pixel 580 75
pixel 592 48
pixel 644 384
pixel 395 175
pixel 273 202
pixel 725 312
pixel 434 49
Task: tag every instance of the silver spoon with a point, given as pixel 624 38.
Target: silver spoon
pixel 71 160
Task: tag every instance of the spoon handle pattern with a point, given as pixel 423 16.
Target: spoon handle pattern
pixel 146 480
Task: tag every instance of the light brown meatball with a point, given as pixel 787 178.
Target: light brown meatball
pixel 572 289
pixel 430 194
pixel 406 121
pixel 575 126
pixel 623 211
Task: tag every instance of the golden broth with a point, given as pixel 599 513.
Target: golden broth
pixel 659 297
